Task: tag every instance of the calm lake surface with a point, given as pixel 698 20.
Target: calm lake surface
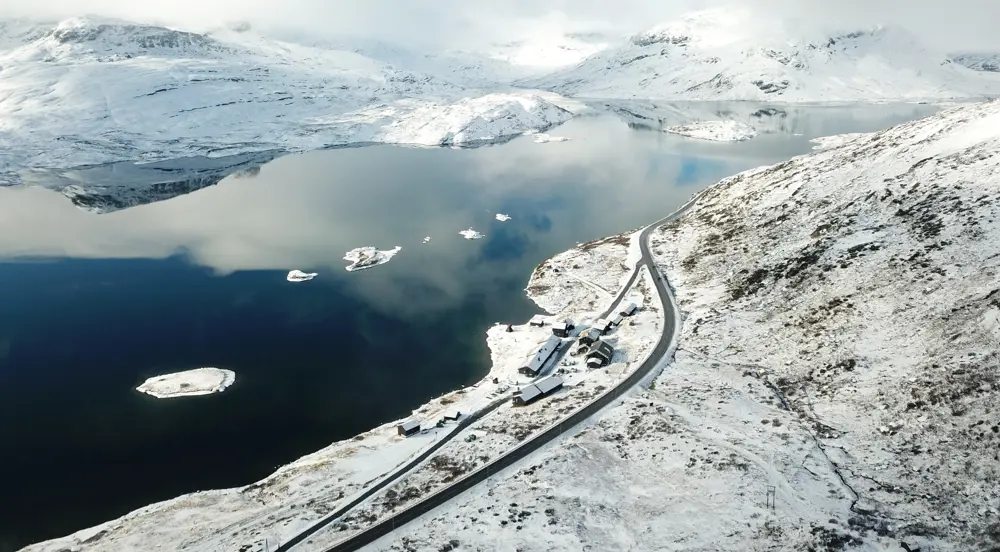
pixel 91 305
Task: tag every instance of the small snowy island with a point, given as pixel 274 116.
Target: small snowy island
pixel 471 234
pixel 299 276
pixel 190 383
pixel 715 131
pixel 367 257
pixel 502 217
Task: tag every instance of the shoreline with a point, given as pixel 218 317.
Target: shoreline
pixel 346 468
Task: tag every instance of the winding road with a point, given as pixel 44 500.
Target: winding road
pixel 440 497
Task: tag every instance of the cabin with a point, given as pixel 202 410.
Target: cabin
pixel 408 428
pixel 453 416
pixel 590 336
pixel 537 362
pixel 562 329
pixel 629 309
pixel 603 326
pixel 617 320
pixel 537 320
pixel 600 354
pixel 531 393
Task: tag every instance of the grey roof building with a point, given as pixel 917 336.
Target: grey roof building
pixel 589 336
pixel 629 309
pixel 603 326
pixel 408 428
pixel 537 362
pixel 531 393
pixel 602 351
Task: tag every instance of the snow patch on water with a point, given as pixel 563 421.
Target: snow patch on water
pixel 367 257
pixel 471 234
pixel 715 131
pixel 190 383
pixel 502 217
pixel 299 276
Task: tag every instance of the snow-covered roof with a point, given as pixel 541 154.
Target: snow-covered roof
pixel 529 393
pixel 560 326
pixel 410 425
pixel 629 309
pixel 549 384
pixel 543 354
pixel 602 324
pixel 602 348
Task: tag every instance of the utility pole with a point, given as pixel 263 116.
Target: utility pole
pixel 771 496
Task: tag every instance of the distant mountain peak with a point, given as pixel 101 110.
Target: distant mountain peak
pixel 734 54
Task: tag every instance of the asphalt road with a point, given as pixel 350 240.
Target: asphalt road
pixel 332 516
pixel 442 496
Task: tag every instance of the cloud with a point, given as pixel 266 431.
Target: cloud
pixel 954 25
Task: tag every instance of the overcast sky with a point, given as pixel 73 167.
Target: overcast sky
pixel 951 25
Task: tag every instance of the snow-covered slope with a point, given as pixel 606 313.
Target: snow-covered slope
pixel 839 347
pixel 979 62
pixel 733 54
pixel 89 91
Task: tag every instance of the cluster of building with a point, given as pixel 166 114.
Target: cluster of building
pixel 412 427
pixel 598 353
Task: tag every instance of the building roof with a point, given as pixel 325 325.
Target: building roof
pixel 529 393
pixel 602 324
pixel 543 354
pixel 592 333
pixel 538 320
pixel 548 384
pixel 602 348
pixel 629 308
pixel 560 326
pixel 410 425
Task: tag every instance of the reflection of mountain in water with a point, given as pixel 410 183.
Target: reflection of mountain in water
pixel 107 188
pixel 766 119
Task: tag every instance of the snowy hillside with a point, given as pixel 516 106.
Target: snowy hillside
pixel 979 62
pixel 730 54
pixel 842 316
pixel 88 91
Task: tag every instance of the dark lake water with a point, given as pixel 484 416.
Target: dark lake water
pixel 91 305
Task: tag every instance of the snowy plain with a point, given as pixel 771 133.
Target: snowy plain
pixel 189 383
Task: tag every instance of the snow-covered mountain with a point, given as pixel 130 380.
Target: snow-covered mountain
pixel 979 62
pixel 839 349
pixel 731 54
pixel 90 90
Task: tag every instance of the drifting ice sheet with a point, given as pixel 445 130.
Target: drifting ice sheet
pixel 200 381
pixel 471 234
pixel 367 257
pixel 502 217
pixel 299 276
pixel 716 131
pixel 542 138
pixel 427 239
